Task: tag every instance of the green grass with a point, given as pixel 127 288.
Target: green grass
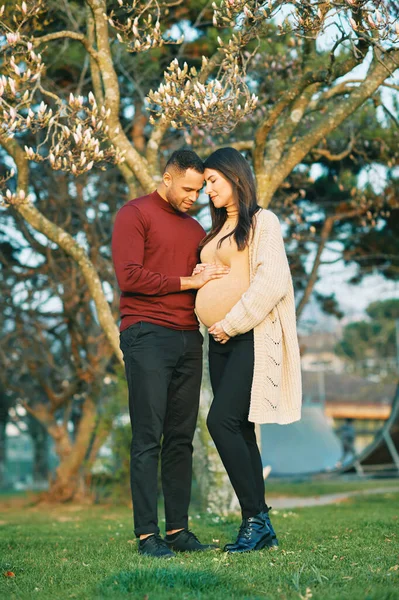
pixel 317 487
pixel 347 551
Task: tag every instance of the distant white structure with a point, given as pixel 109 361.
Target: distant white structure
pixel 307 446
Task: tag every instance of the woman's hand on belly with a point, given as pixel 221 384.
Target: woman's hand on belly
pixel 218 333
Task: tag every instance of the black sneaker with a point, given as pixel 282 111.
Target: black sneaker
pixel 154 545
pixel 186 541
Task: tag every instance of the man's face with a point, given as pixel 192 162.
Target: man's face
pixel 182 189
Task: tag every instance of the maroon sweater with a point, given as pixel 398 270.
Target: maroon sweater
pixel 152 247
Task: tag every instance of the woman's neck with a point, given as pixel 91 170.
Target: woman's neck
pixel 231 212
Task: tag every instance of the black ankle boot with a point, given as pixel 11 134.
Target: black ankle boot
pixel 254 534
pixel 265 514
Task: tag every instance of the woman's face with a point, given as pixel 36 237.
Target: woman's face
pixel 219 189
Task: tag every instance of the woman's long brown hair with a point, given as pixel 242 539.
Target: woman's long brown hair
pixel 233 166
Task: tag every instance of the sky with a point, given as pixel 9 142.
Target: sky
pixel 352 300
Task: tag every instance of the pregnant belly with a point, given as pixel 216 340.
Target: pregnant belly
pixel 217 297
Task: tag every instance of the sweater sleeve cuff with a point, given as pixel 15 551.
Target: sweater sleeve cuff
pixel 173 285
pixel 227 328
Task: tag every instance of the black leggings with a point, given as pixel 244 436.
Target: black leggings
pixel 231 368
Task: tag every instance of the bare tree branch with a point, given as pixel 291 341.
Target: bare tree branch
pixel 333 118
pixel 73 35
pixel 335 157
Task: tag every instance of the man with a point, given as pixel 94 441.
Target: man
pixel 155 249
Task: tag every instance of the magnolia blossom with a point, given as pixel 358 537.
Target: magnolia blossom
pixel 143 32
pixel 184 100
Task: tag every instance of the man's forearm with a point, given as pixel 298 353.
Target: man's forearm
pixel 187 283
pixel 137 280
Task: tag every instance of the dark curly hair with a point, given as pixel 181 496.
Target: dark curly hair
pixel 184 159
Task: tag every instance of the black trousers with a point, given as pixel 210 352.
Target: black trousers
pixel 231 368
pixel 163 370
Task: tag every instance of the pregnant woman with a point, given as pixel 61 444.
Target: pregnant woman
pixel 253 347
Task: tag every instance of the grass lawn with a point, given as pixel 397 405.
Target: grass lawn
pixel 317 487
pixel 346 551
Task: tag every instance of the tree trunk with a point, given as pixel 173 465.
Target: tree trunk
pixel 266 188
pixel 40 458
pixel 213 483
pixel 39 436
pixel 68 483
pixel 3 452
pixel 4 408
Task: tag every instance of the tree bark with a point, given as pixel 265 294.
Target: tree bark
pixel 68 483
pixel 213 483
pixel 212 480
pixel 39 436
pixel 270 175
pixel 3 451
pixel 4 408
pixel 40 458
pixel 136 163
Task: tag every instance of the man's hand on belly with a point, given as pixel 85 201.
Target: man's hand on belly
pixel 199 268
pixel 208 273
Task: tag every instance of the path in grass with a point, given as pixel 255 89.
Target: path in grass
pixel 303 487
pixel 325 499
pixel 347 551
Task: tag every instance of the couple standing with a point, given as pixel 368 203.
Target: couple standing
pixel 242 291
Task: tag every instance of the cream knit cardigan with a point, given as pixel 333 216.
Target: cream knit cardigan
pixel 268 308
